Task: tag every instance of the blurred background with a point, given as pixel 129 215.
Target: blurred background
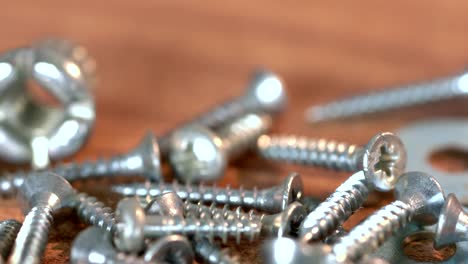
pixel 161 62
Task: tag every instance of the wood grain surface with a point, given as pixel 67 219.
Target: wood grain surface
pixel 160 62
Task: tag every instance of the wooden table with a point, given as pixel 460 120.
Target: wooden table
pixel 161 62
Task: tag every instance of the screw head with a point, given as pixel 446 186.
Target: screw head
pixel 384 161
pixel 268 91
pixel 196 154
pixel 292 190
pixel 286 222
pixel 169 204
pixel 288 251
pixel 130 219
pixel 423 193
pixel 147 152
pixel 93 241
pixel 449 229
pixel 46 188
pixel 170 249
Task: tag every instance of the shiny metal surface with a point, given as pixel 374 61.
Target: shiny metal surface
pixel 174 249
pixel 453 223
pixel 271 200
pixel 419 199
pixel 142 160
pixel 33 131
pixel 200 154
pixel 392 250
pixel 8 231
pixel 392 98
pixel 423 138
pixel 168 204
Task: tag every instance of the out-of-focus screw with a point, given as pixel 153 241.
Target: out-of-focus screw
pixel 284 223
pixel 168 204
pixel 199 154
pixel 133 226
pixel 41 195
pixel 453 223
pixel 8 231
pixel 420 199
pixel 210 253
pixel 174 249
pixel 270 200
pixel 391 99
pixel 383 159
pixel 94 246
pixel 142 160
pixel 265 94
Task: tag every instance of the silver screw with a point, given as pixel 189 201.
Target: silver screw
pixel 265 93
pixel 453 223
pixel 94 246
pixel 174 249
pixel 382 159
pixel 414 94
pixel 142 160
pixel 94 212
pixel 284 223
pixel 199 154
pixel 419 199
pixel 270 200
pixel 8 231
pixel 41 195
pixel 208 252
pixel 133 226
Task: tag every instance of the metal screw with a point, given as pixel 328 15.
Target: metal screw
pixel 96 242
pixel 175 249
pixel 142 160
pixel 133 226
pixel 41 195
pixel 8 231
pixel 284 223
pixel 208 252
pixel 270 200
pixel 94 212
pixel 419 199
pixel 453 223
pixel 265 93
pixel 414 94
pixel 383 159
pixel 199 154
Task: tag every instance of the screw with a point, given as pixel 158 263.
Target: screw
pixel 143 159
pixel 174 249
pixel 265 94
pixel 94 212
pixel 133 226
pixel 284 223
pixel 270 200
pixel 382 159
pixel 199 154
pixel 94 246
pixel 168 204
pixel 453 223
pixel 391 99
pixel 419 199
pixel 41 195
pixel 8 231
pixel 208 252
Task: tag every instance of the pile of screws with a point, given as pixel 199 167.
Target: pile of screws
pixel 186 220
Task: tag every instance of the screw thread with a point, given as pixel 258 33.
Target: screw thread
pixel 194 193
pixel 8 231
pixel 373 232
pixel 210 253
pixel 94 212
pixel 209 228
pixel 388 99
pixel 32 238
pixel 201 211
pixel 338 207
pixel 242 133
pixel 317 152
pixel 212 119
